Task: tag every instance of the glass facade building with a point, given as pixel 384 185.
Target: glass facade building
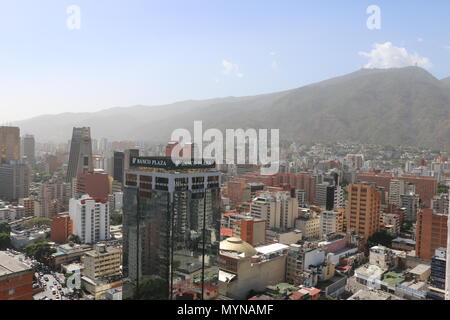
pixel 171 233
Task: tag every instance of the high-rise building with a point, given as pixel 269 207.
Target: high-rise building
pixel 14 181
pixel 431 233
pixel 364 209
pixel 28 144
pixel 171 228
pixel 278 209
pixel 118 166
pixel 80 158
pixel 396 189
pixel 325 195
pixel 9 144
pixel 90 218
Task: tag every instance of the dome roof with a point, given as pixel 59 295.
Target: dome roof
pixel 238 245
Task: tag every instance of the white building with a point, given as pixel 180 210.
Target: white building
pixel 396 189
pixel 90 217
pixel 329 222
pixel 279 209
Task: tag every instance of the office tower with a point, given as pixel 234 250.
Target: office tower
pixel 80 158
pixel 61 228
pixel 396 189
pixel 363 210
pixel 279 209
pixel 431 233
pixel 96 184
pixel 325 196
pixel 118 166
pixel 28 144
pixel 171 228
pixel 9 144
pixel 90 217
pixel 14 181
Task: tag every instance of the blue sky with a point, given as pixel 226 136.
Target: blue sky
pixel 153 52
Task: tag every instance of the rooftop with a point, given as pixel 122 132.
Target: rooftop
pixel 9 264
pixel 271 248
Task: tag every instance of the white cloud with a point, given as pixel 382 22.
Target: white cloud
pixel 420 40
pixel 231 69
pixel 386 55
pixel 447 47
pixel 274 65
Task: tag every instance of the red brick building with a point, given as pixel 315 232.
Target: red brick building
pixel 426 187
pixel 16 278
pixel 61 228
pixel 95 184
pixel 431 233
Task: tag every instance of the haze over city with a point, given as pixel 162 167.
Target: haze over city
pixel 230 158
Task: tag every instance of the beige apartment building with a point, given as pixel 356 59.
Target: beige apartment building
pixel 102 263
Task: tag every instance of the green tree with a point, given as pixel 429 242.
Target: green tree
pixel 116 219
pixel 40 251
pixel 36 222
pixel 75 239
pixel 443 188
pixel 5 241
pixel 5 228
pixel 152 289
pixel 380 238
pixel 406 226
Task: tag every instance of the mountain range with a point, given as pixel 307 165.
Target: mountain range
pixel 402 106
